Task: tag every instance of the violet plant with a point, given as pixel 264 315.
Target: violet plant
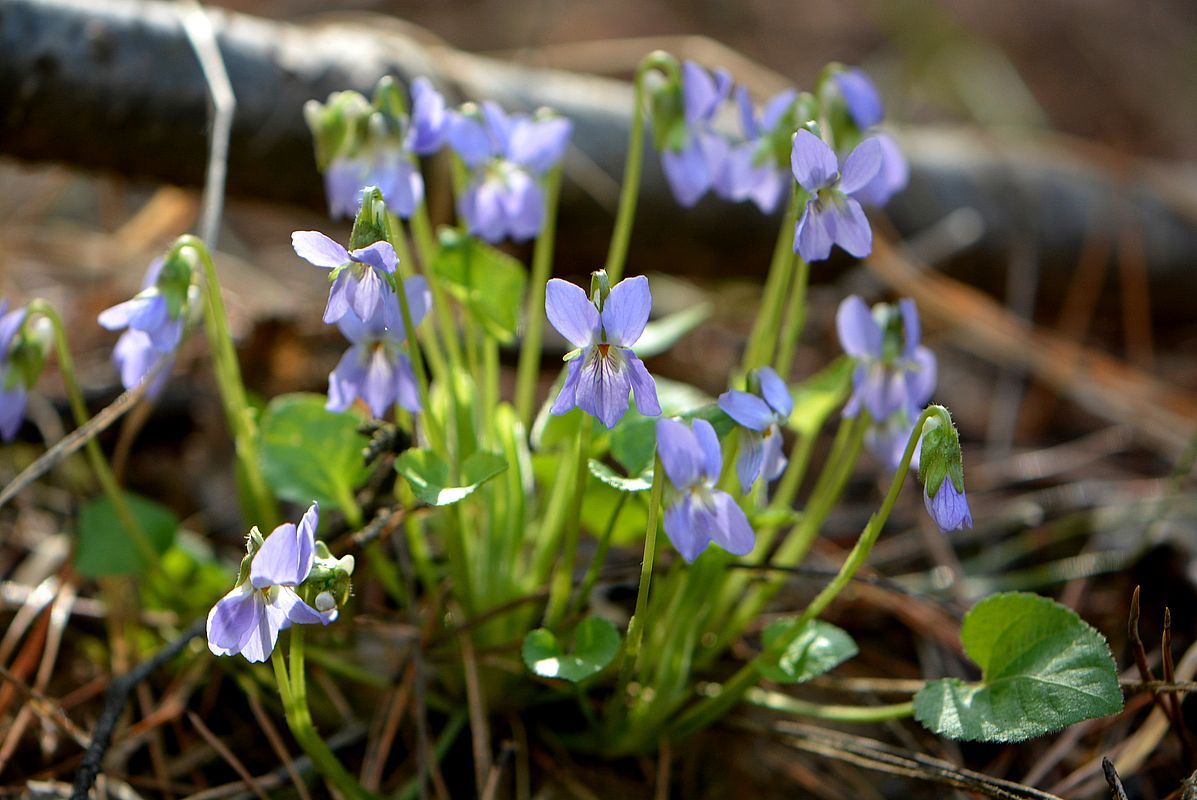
pixel 490 500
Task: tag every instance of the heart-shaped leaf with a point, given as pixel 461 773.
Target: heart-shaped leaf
pixel 1042 668
pixel 105 547
pixel 429 475
pixel 310 453
pixel 487 281
pixel 596 641
pixel 819 648
pixel 608 476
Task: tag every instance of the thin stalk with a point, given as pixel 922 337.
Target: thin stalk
pixel 795 319
pixel 552 521
pixel 600 557
pixel 715 705
pixel 299 720
pixel 398 238
pixel 427 247
pixel 759 351
pixel 617 252
pixel 778 701
pixel 564 575
pixel 635 637
pixel 542 265
pixel 95 456
pixel 240 415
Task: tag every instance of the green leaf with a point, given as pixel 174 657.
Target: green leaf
pixel 596 641
pixel 429 475
pixel 634 442
pixel 819 648
pixel 662 334
pixel 820 395
pixel 487 281
pixel 1042 668
pixel 677 398
pixel 310 453
pixel 106 548
pixel 608 476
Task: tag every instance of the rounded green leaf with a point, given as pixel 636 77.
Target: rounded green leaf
pixel 310 453
pixel 819 648
pixel 428 475
pixel 1042 668
pixel 106 548
pixel 596 642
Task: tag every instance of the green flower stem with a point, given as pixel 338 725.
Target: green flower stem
pixel 542 265
pixel 261 508
pixel 635 637
pixel 563 576
pixel 795 319
pixel 759 351
pixel 95 456
pixel 553 520
pixel 299 720
pixel 778 701
pixel 427 248
pixel 715 705
pixel 398 238
pixel 617 252
pixel 600 558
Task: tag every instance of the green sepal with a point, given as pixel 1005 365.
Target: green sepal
pixel 174 279
pixel 370 226
pixel 28 352
pixel 667 110
pixel 940 456
pixel 600 287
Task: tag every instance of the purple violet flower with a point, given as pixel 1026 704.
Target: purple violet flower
pixel 361 279
pixel 375 368
pixel 387 160
pixel 949 507
pixel 891 177
pixel 750 171
pixel 507 155
pixel 12 384
pixel 890 376
pixel 248 619
pixel 605 369
pixel 151 334
pixel 861 97
pixel 693 166
pixel 699 513
pixel 832 215
pixel 761 421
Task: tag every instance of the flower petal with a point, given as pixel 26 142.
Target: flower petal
pixel 258 646
pixel 861 97
pixel 776 108
pixel 365 293
pixel 571 313
pixel 679 451
pixel 538 144
pixel 748 119
pixel 566 398
pixel 338 298
pixel 911 330
pixel 429 122
pixel 921 378
pixel 644 388
pixel 813 163
pixel 523 206
pixel 949 508
pixel 626 310
pixel 378 389
pixel 481 206
pixel 702 93
pixel 708 442
pixel 233 620
pixel 10 323
pixel 346 380
pixel 12 409
pixel 890 179
pixel 406 390
pixel 775 459
pixel 850 227
pixel 468 137
pixel 146 311
pixel 343 183
pixel 291 606
pixel 687 171
pixel 604 383
pixel 813 235
pixel 380 255
pixel 746 409
pixel 751 458
pixel 688 541
pixel 731 530
pixel 861 166
pixel 319 250
pixel 859 333
pixel 286 556
pixel 136 357
pixel 776 393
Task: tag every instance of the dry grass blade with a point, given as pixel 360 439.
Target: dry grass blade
pixel 479 726
pixel 276 743
pixel 227 754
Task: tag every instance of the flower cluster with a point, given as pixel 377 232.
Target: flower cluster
pixel 266 598
pixel 603 370
pixel 507 156
pixel 894 375
pixel 761 417
pixel 153 321
pixel 359 144
pixel 699 513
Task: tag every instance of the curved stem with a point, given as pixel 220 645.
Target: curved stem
pixel 618 250
pixel 563 576
pixel 95 456
pixel 714 706
pixel 778 701
pixel 542 264
pixel 795 319
pixel 759 351
pixel 261 508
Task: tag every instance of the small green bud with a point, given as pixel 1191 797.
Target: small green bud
pixel 371 223
pixel 600 287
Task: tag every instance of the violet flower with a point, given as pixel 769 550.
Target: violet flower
pixel 892 176
pixel 604 369
pixel 861 97
pixel 152 328
pixel 13 391
pixel 699 513
pixel 832 215
pixel 375 368
pixel 949 507
pixel 694 164
pixel 361 280
pixel 507 155
pixel 761 417
pixel 248 619
pixel 751 170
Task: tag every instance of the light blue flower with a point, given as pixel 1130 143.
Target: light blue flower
pixel 832 215
pixel 363 277
pixel 761 417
